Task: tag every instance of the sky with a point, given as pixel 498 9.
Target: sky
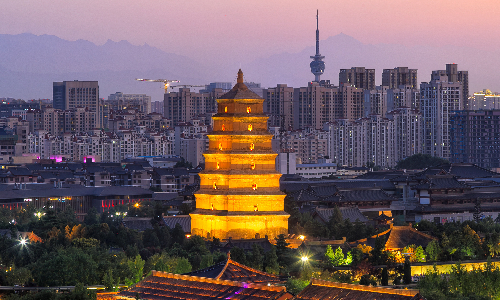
pixel 241 31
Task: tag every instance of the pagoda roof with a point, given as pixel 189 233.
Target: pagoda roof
pixel 240 90
pixel 231 270
pixel 402 236
pixel 161 285
pixel 321 289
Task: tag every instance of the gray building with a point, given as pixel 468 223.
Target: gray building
pixel 358 77
pixel 73 94
pixel 393 78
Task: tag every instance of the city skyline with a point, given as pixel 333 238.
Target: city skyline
pixel 224 35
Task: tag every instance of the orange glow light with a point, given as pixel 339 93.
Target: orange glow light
pixel 249 110
pixel 253 166
pixel 250 127
pixel 252 146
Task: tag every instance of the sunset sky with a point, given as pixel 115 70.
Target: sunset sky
pixel 244 30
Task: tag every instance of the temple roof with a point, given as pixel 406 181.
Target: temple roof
pixel 402 236
pixel 162 285
pixel 320 289
pixel 240 90
pixel 231 270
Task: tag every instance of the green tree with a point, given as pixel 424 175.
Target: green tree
pixel 109 282
pixel 295 286
pixel 407 272
pixel 238 255
pixel 433 250
pixel 18 276
pixel 271 265
pixel 135 268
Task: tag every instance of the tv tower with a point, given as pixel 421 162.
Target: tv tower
pixel 317 65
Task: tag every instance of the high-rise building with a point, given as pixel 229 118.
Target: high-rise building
pixel 393 78
pixel 317 65
pixel 407 139
pixel 376 101
pixel 278 105
pixel 184 105
pixel 239 194
pixel 484 100
pixel 73 94
pixel 121 101
pixel 403 96
pixel 358 77
pixel 474 137
pixel 459 76
pixel 439 98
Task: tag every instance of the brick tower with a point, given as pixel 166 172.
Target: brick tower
pixel 239 194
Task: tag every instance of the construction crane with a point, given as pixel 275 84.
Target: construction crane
pixel 166 82
pixel 185 86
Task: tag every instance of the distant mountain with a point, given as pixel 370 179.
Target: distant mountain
pixel 29 64
pixel 343 52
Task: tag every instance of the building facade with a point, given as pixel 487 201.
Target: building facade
pixel 69 95
pixel 358 77
pixel 393 78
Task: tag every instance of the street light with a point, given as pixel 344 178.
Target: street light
pixel 304 259
pixel 23 242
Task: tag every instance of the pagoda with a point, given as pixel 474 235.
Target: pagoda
pixel 239 194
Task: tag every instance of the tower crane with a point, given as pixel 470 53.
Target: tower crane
pixel 185 86
pixel 166 82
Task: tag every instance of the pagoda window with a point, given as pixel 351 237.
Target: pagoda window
pixel 212 206
pixel 220 146
pixel 254 186
pixel 252 146
pixel 255 208
pixel 225 109
pixel 223 127
pixel 249 110
pixel 250 127
pixel 253 166
pixel 217 166
pixel 214 185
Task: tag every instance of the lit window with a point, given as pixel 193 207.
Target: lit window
pixel 254 186
pixel 250 127
pixel 252 146
pixel 255 208
pixel 220 146
pixel 218 166
pixel 253 166
pixel 249 110
pixel 225 109
pixel 212 208
pixel 214 186
pixel 223 127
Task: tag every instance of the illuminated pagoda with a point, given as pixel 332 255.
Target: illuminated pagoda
pixel 239 194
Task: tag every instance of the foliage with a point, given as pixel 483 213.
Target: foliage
pixel 18 276
pixel 368 279
pixel 337 258
pixel 482 283
pixel 183 164
pixel 420 161
pixel 295 286
pixel 385 277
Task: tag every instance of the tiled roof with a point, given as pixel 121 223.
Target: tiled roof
pixel 470 171
pixel 231 270
pixel 439 182
pixel 183 220
pixel 380 175
pixel 162 285
pixel 351 213
pixel 402 236
pixel 320 289
pixel 364 195
pixel 240 91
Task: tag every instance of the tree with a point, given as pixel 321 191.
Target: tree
pixel 407 272
pixel 183 164
pixel 271 265
pixel 282 251
pixel 92 217
pixel 433 250
pixel 337 258
pixel 385 277
pixel 18 276
pixel 238 255
pixel 109 282
pixel 420 161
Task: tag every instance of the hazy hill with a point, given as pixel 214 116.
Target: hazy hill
pixel 29 64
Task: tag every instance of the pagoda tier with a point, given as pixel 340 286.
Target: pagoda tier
pixel 239 194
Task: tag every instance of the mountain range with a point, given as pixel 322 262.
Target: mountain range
pixel 30 63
